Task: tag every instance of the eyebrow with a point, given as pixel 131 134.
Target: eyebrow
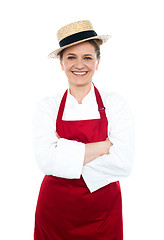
pixel 87 54
pixel 71 54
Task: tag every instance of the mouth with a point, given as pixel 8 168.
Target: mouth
pixel 79 73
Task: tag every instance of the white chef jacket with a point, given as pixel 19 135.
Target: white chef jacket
pixel 64 158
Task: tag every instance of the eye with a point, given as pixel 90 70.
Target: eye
pixel 71 57
pixel 87 58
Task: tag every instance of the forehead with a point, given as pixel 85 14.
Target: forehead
pixel 82 48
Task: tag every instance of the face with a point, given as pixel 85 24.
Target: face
pixel 79 63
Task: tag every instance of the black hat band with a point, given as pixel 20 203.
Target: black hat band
pixel 77 37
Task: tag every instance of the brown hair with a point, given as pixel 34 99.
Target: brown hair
pixel 94 42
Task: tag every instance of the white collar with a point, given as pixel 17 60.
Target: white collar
pixel 88 98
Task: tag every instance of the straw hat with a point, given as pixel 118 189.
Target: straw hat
pixel 75 33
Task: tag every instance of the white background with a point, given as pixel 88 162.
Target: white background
pixel 132 65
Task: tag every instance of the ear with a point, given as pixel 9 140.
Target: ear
pixel 97 64
pixel 61 63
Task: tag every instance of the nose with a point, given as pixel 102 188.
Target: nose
pixel 79 65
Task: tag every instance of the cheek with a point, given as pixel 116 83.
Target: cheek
pixel 67 67
pixel 93 67
pixel 64 67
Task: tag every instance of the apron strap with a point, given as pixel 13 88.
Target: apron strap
pixel 62 105
pixel 100 104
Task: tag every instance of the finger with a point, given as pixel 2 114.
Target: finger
pixel 57 135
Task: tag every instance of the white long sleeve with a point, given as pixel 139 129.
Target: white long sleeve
pixel 118 163
pixel 64 158
pixel 55 156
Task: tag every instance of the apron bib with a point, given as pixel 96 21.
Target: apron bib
pixel 66 210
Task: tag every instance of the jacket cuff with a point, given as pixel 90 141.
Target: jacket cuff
pixel 69 158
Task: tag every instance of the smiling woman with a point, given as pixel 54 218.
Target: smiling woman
pixel 83 142
pixel 79 63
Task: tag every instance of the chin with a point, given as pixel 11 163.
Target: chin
pixel 80 82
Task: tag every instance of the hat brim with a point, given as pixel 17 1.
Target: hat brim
pixel 55 53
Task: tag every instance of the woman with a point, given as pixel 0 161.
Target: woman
pixel 83 142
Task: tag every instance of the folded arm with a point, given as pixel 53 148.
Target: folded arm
pixel 118 163
pixel 58 157
pixel 94 150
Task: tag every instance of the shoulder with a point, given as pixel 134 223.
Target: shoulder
pixel 112 98
pixel 116 104
pixel 50 102
pixel 47 107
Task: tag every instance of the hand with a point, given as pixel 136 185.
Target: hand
pixel 96 149
pixel 57 135
pixel 107 144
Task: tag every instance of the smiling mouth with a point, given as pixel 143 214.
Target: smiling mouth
pixel 79 73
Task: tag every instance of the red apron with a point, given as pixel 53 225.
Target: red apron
pixel 66 210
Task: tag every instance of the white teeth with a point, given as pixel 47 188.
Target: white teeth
pixel 79 73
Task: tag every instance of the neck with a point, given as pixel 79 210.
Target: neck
pixel 79 92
